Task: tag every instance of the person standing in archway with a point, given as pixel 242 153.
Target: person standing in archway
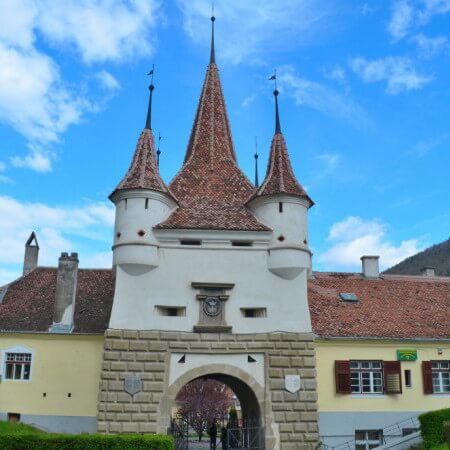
pixel 223 438
pixel 213 435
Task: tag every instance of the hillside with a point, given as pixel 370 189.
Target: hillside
pixel 437 256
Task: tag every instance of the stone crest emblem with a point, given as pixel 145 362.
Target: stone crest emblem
pixel 292 383
pixel 212 306
pixel 132 384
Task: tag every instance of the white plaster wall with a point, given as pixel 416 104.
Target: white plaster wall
pixel 292 223
pixel 132 216
pixel 138 291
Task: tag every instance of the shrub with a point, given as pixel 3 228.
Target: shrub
pixel 447 432
pixel 50 441
pixel 432 426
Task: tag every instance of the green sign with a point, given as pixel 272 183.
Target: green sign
pixel 406 355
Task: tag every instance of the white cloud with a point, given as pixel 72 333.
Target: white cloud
pixel 107 80
pixel 248 29
pixel 407 15
pixel 58 229
pixel 429 46
pixel 248 100
pixel 354 237
pixel 399 73
pixel 424 147
pixel 320 97
pixel 3 178
pixel 401 19
pixel 331 160
pixel 34 98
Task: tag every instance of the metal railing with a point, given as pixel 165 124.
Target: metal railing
pixel 390 432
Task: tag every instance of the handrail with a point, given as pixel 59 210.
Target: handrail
pixel 387 434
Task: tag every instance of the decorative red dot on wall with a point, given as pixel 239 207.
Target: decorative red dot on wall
pixel 281 238
pixel 118 234
pixel 141 233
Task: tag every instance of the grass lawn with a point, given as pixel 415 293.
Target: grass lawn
pixel 16 428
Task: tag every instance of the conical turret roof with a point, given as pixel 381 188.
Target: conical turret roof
pixel 280 178
pixel 143 172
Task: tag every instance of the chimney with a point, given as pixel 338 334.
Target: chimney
pixel 370 266
pixel 66 288
pixel 427 271
pixel 30 260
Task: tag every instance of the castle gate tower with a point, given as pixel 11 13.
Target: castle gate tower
pixel 211 282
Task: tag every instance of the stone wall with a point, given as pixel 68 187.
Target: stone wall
pixel 290 420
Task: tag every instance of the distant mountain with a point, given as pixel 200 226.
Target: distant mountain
pixel 437 256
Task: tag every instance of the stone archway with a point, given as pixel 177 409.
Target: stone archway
pixel 248 391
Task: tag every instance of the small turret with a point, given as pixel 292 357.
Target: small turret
pixel 142 200
pixel 282 203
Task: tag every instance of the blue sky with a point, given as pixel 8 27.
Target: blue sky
pixel 365 107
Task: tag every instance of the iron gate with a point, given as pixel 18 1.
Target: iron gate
pixel 248 438
pixel 179 429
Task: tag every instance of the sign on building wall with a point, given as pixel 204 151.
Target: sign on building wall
pixel 132 384
pixel 406 355
pixel 292 383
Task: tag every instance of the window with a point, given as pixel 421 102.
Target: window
pixel 366 439
pixel 171 311
pixel 436 377
pixel 190 242
pixel 366 377
pixel 408 382
pixel 254 312
pixel 17 366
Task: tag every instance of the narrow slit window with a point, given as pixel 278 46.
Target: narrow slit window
pixel 146 203
pixel 254 312
pixel 408 382
pixel 126 204
pixel 171 311
pixel 190 242
pixel 280 207
pixel 241 243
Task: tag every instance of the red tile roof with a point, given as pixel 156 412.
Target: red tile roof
pixel 392 306
pixel 210 187
pixel 28 302
pixel 143 172
pixel 280 178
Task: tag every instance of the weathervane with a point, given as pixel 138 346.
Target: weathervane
pixel 148 122
pixel 275 93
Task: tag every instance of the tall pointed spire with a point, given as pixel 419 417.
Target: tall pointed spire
pixel 210 187
pixel 212 57
pixel 143 172
pixel 280 178
pixel 256 156
pixel 148 122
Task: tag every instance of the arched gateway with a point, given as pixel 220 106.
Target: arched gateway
pixel 211 281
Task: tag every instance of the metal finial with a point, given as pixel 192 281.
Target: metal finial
pixel 158 152
pixel 277 114
pixel 256 156
pixel 148 122
pixel 212 58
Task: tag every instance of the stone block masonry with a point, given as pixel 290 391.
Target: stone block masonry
pixel 290 419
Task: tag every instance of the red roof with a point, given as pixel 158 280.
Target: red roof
pixel 280 178
pixel 391 306
pixel 28 302
pixel 210 187
pixel 143 172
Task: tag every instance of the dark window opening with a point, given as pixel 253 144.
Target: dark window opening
pixel 254 312
pixel 146 203
pixel 408 382
pixel 13 417
pixel 190 242
pixel 280 207
pixel 126 203
pixel 241 243
pixel 171 311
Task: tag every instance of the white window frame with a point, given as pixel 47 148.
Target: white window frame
pixel 440 368
pixel 16 349
pixel 369 443
pixel 370 367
